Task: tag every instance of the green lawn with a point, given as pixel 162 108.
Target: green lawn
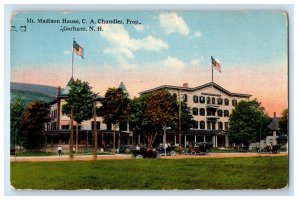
pixel 153 174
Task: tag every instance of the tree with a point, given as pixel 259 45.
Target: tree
pixel 32 125
pixel 283 122
pixel 138 120
pixel 150 112
pixel 187 121
pixel 79 107
pixel 160 110
pixel 248 122
pixel 16 113
pixel 114 109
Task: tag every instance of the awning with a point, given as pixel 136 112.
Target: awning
pixel 67 122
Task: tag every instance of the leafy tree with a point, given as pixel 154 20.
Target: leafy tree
pixel 16 113
pixel 248 122
pixel 114 109
pixel 160 110
pixel 32 126
pixel 142 123
pixel 138 120
pixel 283 122
pixel 80 98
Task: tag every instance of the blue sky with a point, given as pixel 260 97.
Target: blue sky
pixel 166 48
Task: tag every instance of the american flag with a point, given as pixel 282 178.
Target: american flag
pixel 78 49
pixel 216 65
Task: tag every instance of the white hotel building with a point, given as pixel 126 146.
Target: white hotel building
pixel 211 106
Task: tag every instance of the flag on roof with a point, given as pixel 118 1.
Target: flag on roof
pixel 215 64
pixel 77 49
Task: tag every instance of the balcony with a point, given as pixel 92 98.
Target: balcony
pixel 212 118
pixel 212 106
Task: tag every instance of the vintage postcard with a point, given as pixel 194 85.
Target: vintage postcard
pixel 149 100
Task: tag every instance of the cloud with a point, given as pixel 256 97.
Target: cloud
pixel 197 34
pixel 139 28
pixel 123 46
pixel 67 52
pixel 173 63
pixel 173 23
pixel 196 62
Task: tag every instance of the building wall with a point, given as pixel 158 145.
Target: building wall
pixel 85 125
pixel 211 92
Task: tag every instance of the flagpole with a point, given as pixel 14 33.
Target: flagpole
pixel 212 72
pixel 72 55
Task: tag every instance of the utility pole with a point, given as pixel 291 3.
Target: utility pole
pixel 71 133
pixel 179 122
pixel 95 127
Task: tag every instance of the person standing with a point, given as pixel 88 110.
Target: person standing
pixel 59 150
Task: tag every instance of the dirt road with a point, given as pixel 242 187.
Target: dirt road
pixel 128 156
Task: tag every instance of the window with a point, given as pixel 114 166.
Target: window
pixel 213 125
pixel 234 102
pixel 202 111
pixel 185 97
pixel 54 125
pixel 108 126
pixel 213 100
pixel 65 127
pixel 220 113
pixel 226 126
pixel 208 100
pixel 209 112
pixel 195 124
pixel 226 101
pixel 208 125
pixel 220 125
pixel 220 101
pixel 97 125
pixel 195 99
pixel 202 124
pixel 226 113
pixel 202 99
pixel 195 111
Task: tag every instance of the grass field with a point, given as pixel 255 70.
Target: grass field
pixel 153 174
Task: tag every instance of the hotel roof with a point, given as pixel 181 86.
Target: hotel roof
pixel 189 89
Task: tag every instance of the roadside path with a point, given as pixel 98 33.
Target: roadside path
pixel 128 156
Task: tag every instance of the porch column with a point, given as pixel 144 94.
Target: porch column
pixel 45 143
pixel 139 139
pixel 195 139
pixel 204 139
pixel 226 141
pixel 119 141
pixel 175 139
pixel 216 141
pixel 87 140
pixel 185 141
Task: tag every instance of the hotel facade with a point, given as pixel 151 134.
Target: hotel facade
pixel 211 106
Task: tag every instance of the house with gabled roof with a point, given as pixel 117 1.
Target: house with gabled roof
pixel 57 131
